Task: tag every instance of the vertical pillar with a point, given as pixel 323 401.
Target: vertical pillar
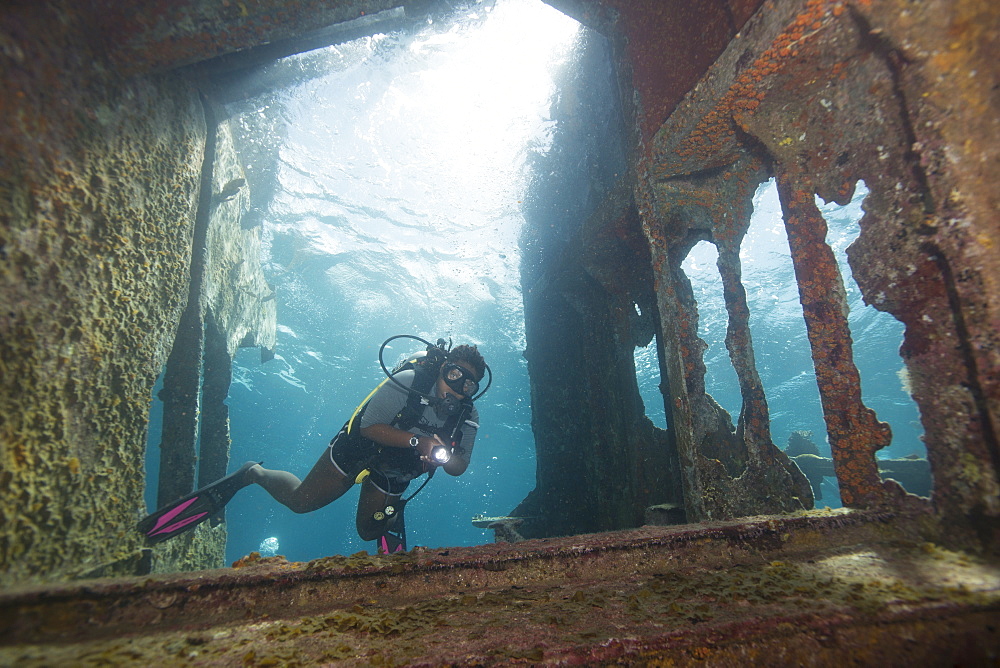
pixel 854 431
pixel 218 374
pixel 180 396
pixel 755 420
pixel 182 378
pixel 682 367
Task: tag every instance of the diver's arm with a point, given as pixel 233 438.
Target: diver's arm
pixel 460 462
pixel 388 400
pixel 388 435
pixel 384 434
pixel 397 438
pixel 455 466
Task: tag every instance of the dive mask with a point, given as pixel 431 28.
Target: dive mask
pixel 459 379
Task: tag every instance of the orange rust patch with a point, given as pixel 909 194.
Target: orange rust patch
pixel 745 94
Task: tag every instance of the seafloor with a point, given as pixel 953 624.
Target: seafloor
pixel 812 589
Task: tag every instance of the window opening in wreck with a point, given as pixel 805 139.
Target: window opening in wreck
pixel 386 176
pixel 877 337
pixel 777 329
pixel 781 343
pixel 701 268
pixel 647 374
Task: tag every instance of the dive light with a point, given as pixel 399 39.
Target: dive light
pixel 441 454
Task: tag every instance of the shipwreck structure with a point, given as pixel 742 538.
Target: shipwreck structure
pixel 127 243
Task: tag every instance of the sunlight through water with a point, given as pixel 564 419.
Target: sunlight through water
pixel 396 210
pixel 415 157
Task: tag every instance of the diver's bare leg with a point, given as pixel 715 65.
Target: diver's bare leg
pixel 325 483
pixel 372 500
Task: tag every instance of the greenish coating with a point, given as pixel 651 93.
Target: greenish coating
pixel 96 249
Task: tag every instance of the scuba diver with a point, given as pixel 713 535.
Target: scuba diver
pixel 419 419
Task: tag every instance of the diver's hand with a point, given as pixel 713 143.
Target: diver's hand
pixel 426 444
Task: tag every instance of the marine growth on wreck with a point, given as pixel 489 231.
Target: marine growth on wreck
pixel 739 262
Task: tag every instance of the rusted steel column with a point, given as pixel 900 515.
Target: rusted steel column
pixel 729 230
pixel 755 419
pixel 682 358
pixel 854 431
pixel 181 398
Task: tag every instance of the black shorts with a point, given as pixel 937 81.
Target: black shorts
pixel 392 469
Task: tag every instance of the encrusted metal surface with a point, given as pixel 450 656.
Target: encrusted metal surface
pixel 817 589
pixel 853 430
pixel 826 94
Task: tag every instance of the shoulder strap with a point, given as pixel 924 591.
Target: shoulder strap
pixel 413 410
pixel 360 410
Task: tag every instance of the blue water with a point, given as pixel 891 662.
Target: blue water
pixel 397 210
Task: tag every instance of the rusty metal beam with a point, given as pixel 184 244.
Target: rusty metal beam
pixel 855 434
pixel 721 593
pixel 157 35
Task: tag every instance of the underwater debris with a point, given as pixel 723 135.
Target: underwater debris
pixel 504 528
pixel 230 190
pixel 800 443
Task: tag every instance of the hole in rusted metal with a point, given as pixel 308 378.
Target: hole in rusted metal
pixel 781 346
pixel 647 372
pixel 720 376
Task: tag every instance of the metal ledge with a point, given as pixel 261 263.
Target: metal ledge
pixel 722 589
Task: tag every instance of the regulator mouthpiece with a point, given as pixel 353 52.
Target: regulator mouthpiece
pixel 450 405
